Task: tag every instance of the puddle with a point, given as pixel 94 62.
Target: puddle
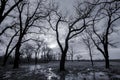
pixel 34 67
pixel 48 74
pixel 37 69
pixel 51 75
pixel 76 76
pixel 90 76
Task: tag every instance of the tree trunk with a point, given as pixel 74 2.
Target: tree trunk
pixel 16 61
pixel 62 61
pixel 72 57
pixel 91 59
pixel 5 60
pixel 107 64
pixel 28 59
pixel 36 61
pixel 17 56
pixel 62 76
pixel 36 58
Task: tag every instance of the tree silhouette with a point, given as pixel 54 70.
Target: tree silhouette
pixel 109 11
pixel 73 28
pixel 5 12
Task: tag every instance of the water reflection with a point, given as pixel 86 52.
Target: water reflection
pixel 51 75
pixel 87 76
pixel 62 76
pixel 34 67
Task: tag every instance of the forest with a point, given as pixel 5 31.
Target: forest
pixel 59 40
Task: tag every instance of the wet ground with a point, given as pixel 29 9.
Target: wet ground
pixel 49 71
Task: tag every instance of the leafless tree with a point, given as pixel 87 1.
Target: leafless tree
pixel 38 49
pixel 47 53
pixel 5 9
pixel 87 41
pixel 74 28
pixel 79 57
pixel 27 18
pixel 109 11
pixel 71 53
pixel 25 23
pixel 8 51
pixel 27 50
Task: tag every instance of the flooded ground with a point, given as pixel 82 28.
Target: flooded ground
pixel 49 71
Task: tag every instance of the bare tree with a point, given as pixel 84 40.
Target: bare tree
pixel 25 23
pixel 5 12
pixel 73 28
pixel 79 57
pixel 71 53
pixel 27 50
pixel 47 53
pixel 109 11
pixel 39 44
pixel 89 45
pixel 8 51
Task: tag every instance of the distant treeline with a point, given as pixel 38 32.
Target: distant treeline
pixel 25 60
pixel 32 60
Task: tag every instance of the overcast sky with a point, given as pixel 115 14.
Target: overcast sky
pixel 79 48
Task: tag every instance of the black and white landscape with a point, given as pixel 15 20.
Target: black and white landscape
pixel 59 40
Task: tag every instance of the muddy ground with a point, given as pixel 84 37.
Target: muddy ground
pixel 75 70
